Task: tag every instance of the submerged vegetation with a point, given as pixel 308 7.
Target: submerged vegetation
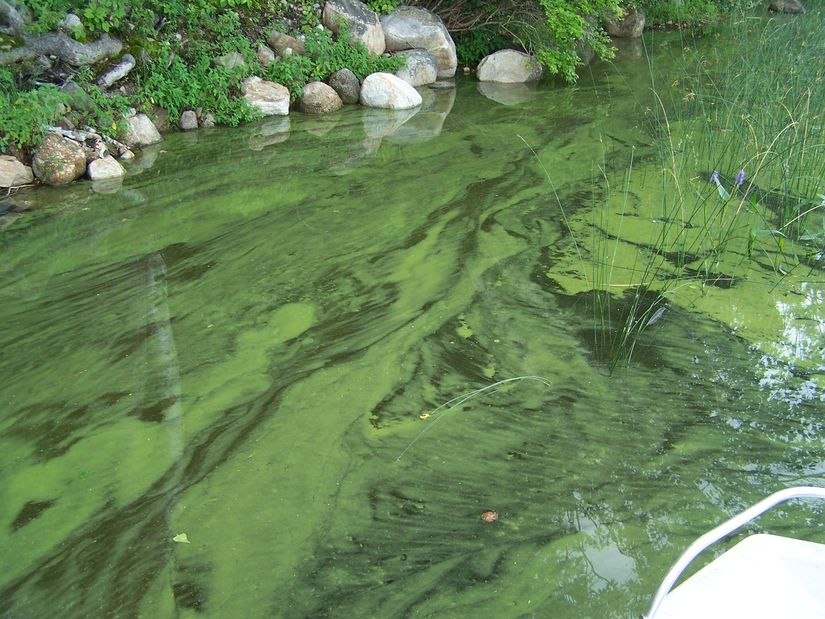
pixel 742 154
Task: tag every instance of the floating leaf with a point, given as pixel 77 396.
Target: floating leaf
pixel 181 538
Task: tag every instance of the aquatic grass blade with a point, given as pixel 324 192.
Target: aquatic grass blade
pixel 457 401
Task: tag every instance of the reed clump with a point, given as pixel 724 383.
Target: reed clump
pixel 740 137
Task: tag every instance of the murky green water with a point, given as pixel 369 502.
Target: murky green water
pixel 241 341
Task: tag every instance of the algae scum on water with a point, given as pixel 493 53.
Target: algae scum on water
pixel 211 373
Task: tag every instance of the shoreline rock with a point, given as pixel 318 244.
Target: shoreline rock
pixel 346 84
pixel 420 69
pixel 384 90
pixel 14 173
pixel 58 160
pixel 319 98
pixel 64 47
pixel 140 131
pixel 361 21
pixel 410 27
pixel 269 98
pixel 509 66
pixel 630 26
pixel 106 168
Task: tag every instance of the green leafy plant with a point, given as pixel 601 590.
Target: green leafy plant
pixel 553 30
pixel 383 7
pixel 324 56
pixel 177 84
pixel 24 114
pixel 293 72
pixel 473 45
pixel 106 112
pixel 567 25
pixel 104 15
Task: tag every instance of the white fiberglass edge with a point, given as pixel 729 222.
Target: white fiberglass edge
pixel 725 529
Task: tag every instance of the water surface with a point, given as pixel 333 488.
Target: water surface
pixel 245 340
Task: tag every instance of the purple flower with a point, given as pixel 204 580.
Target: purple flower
pixel 714 178
pixel 740 178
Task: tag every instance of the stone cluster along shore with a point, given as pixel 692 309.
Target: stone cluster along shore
pixel 67 153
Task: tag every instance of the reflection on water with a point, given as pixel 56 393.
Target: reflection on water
pixel 507 94
pixel 241 342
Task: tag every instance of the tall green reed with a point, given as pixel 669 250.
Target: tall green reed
pixel 740 136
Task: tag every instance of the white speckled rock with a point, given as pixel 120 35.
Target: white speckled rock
pixel 188 120
pixel 58 160
pixel 105 169
pixel 509 66
pixel 387 91
pixel 140 131
pixel 270 98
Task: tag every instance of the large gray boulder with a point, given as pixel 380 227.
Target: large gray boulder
pixel 509 66
pixel 361 21
pixel 630 26
pixel 270 98
pixel 188 120
pixel 387 91
pixel 14 16
pixel 58 160
pixel 64 47
pixel 13 173
pixel 787 6
pixel 140 131
pixel 346 84
pixel 104 169
pixel 410 27
pixel 419 69
pixel 319 98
